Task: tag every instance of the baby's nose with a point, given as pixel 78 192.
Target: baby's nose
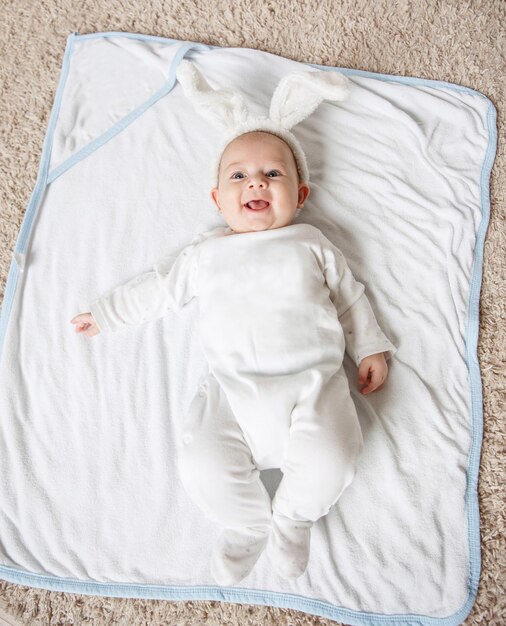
pixel 257 180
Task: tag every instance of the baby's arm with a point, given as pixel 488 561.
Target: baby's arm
pixel 362 332
pixel 366 343
pixel 167 287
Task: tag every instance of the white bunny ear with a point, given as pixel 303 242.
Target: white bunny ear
pixel 298 94
pixel 225 108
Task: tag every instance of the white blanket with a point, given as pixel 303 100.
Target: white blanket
pixel 90 498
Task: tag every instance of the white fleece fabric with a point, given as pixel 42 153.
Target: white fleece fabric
pixel 90 496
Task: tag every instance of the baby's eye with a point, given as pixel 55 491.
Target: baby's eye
pixel 273 172
pixel 233 175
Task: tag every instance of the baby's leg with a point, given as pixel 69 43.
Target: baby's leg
pixel 217 471
pixel 324 446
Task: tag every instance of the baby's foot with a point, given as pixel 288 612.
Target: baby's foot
pixel 288 546
pixel 235 554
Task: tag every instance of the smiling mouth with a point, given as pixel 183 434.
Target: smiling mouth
pixel 257 205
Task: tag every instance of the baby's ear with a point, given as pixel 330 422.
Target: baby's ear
pixel 214 196
pixel 304 191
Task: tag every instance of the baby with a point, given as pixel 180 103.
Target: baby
pixel 278 306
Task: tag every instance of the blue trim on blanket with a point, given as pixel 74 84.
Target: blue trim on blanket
pixel 226 594
pixel 250 596
pixel 128 119
pixel 473 319
pixel 18 258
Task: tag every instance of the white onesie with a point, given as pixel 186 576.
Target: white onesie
pixel 277 309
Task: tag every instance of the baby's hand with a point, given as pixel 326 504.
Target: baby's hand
pixel 85 323
pixel 372 372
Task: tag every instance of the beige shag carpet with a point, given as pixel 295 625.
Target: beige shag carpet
pixel 459 41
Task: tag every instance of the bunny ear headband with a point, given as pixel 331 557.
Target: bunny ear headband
pixel 295 98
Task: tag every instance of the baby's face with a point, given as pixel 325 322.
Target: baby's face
pixel 258 166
